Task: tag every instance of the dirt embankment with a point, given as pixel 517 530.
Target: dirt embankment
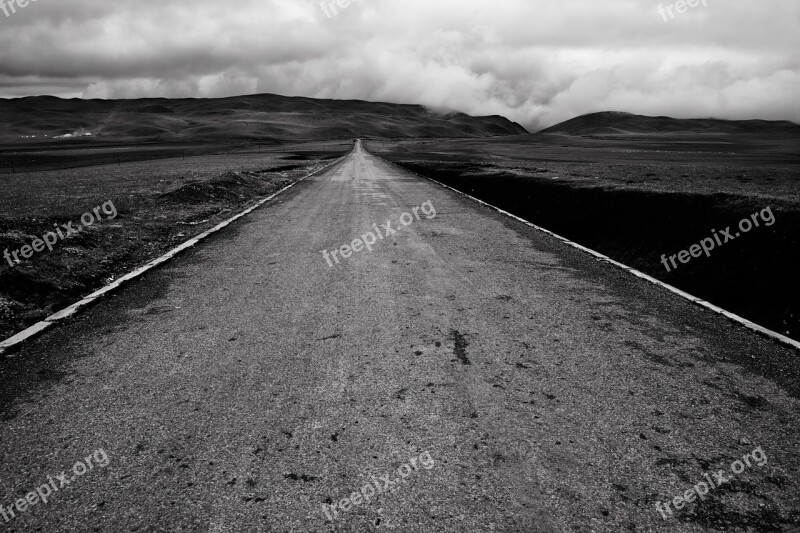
pixel 753 275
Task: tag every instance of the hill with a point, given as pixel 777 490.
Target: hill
pixel 618 123
pixel 261 117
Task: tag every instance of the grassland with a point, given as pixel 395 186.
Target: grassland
pixel 636 197
pixel 160 203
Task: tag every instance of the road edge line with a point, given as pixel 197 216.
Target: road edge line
pixel 773 335
pixel 36 329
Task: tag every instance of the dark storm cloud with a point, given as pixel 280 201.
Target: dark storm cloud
pixel 536 62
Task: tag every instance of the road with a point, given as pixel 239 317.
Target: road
pixel 519 384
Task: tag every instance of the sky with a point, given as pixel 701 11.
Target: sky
pixel 536 62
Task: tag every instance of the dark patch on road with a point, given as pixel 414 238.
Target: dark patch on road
pixel 160 310
pixel 336 336
pixel 460 347
pixel 303 477
pixel 713 385
pixel 648 354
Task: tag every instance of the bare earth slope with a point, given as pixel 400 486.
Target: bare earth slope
pixel 249 382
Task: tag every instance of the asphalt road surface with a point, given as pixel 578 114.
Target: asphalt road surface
pixel 518 384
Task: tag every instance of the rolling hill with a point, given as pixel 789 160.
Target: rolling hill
pixel 261 117
pixel 618 123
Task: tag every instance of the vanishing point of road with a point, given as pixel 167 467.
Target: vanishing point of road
pixel 248 382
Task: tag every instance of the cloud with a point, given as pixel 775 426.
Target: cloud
pixel 537 62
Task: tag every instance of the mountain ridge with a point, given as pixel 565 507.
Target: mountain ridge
pixel 260 117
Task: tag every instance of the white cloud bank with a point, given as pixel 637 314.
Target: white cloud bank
pixel 536 62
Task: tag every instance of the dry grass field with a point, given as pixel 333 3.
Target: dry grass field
pixel 160 203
